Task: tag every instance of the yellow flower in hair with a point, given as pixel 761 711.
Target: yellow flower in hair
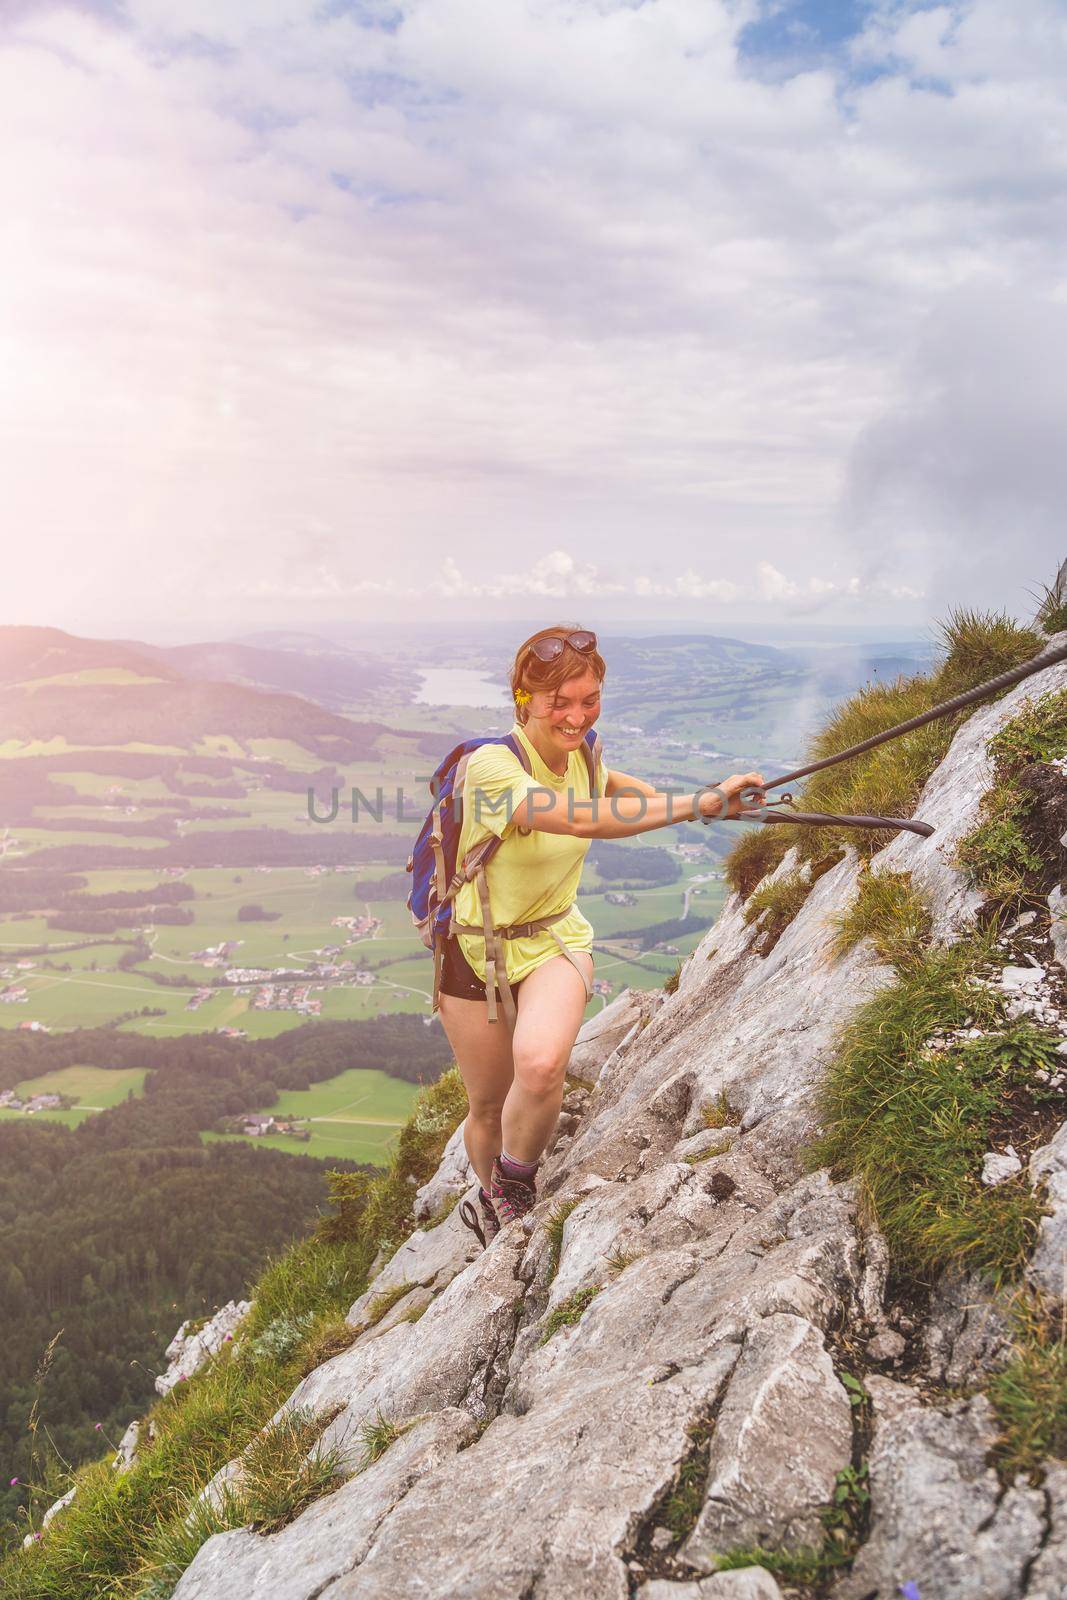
pixel 523 697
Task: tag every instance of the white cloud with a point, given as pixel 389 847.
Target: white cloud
pixel 298 306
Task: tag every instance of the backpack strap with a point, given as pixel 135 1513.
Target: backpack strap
pixel 592 750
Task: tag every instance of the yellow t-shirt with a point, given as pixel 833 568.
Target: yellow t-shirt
pixel 531 875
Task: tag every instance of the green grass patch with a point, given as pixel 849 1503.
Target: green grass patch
pixel 780 898
pixel 1029 1395
pixel 888 911
pixel 570 1311
pixel 997 856
pixel 376 1435
pixel 719 1148
pixel 887 781
pixel 757 852
pixel 719 1113
pixel 912 1121
pixel 682 1506
pixel 384 1302
pixel 554 1227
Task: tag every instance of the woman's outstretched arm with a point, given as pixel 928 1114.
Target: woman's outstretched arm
pixel 620 815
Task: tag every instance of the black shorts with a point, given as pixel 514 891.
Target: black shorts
pixel 458 977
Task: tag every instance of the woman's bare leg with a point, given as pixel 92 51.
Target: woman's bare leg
pixel 483 1055
pixel 551 1004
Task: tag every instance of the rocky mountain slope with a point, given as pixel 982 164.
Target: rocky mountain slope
pixel 692 1352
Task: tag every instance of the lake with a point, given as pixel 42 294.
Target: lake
pixel 460 686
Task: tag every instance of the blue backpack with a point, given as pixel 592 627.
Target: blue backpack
pixel 437 877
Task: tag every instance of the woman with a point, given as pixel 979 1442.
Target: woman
pixel 514 1076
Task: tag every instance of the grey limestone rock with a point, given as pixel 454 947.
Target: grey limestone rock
pixel 940 1518
pixel 888 1345
pixel 783 1433
pixel 453 1356
pixel 742 1583
pixel 968 1332
pixel 603 1034
pixel 187 1351
pixel 1057 904
pixel 1048 1575
pixel 431 1257
pixel 950 801
pixel 126 1454
pixel 1048 1266
pixel 453 1176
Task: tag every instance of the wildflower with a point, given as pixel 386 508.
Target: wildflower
pixel 229 1336
pixel 98 1426
pixel 13 1482
pixel 37 1536
pixel 522 697
pixel 909 1590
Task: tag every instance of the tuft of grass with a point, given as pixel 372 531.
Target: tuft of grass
pixel 619 1260
pixel 757 852
pixel 719 1113
pixel 996 856
pixel 1038 732
pixel 376 1435
pixel 328 1339
pixel 556 1222
pixel 887 781
pixel 718 1149
pixel 384 1303
pixel 178 1541
pixel 889 912
pixel 978 645
pixel 912 1122
pixel 570 1311
pixel 670 984
pixel 1052 610
pixel 781 898
pixel 282 1472
pixel 416 1312
pixel 1029 1395
pixel 682 1506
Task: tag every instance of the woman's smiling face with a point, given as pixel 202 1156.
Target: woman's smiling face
pixel 566 714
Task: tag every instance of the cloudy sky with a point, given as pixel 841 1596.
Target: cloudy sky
pixel 731 310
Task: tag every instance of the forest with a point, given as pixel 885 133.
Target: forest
pixel 113 1232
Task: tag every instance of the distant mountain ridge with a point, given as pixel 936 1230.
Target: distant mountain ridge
pixel 177 696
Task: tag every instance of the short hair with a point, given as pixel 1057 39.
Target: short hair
pixel 529 673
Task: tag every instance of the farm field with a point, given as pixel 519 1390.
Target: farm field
pixel 93 1089
pixel 358 1114
pixel 85 987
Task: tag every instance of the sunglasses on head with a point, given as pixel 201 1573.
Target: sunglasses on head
pixel 549 649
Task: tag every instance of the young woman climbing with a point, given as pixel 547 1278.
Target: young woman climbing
pixel 514 1073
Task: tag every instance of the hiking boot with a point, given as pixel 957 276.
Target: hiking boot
pixel 487 1229
pixel 511 1197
